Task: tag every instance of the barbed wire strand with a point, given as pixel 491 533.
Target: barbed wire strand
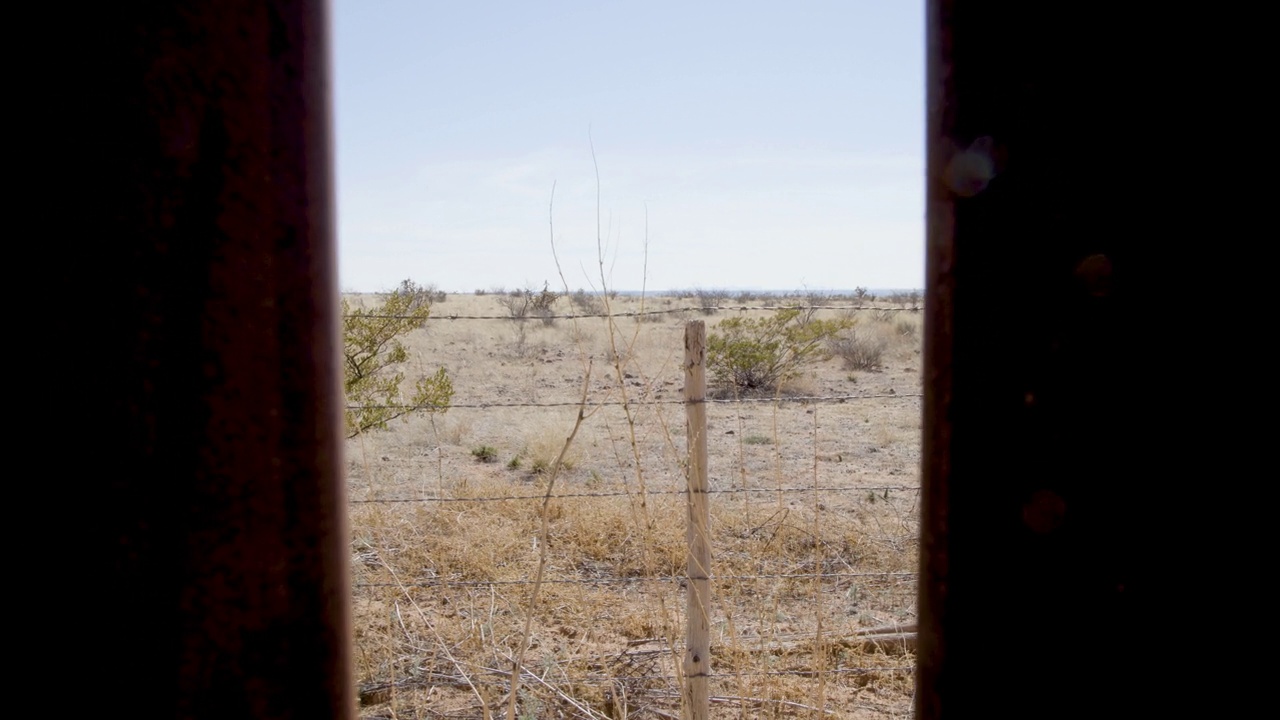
pixel 803 399
pixel 583 680
pixel 649 493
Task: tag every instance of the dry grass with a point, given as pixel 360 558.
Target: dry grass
pixel 443 581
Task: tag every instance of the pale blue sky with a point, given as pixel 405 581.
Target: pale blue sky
pixel 775 145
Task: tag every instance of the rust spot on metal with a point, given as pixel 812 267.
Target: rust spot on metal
pixel 1094 274
pixel 1044 512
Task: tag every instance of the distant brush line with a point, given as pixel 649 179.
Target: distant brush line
pixel 713 401
pixel 669 311
pixel 624 493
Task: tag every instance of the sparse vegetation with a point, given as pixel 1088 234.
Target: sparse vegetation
pixel 372 350
pixel 443 589
pixel 526 303
pixel 587 303
pixel 859 350
pixel 807 303
pixel 709 300
pixel 542 448
pixel 654 317
pixel 910 299
pixel 756 354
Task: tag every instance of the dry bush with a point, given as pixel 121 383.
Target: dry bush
pixel 910 298
pixel 455 429
pixel 709 300
pixel 587 303
pixel 859 349
pixel 543 444
pixel 800 384
pixel 648 315
pixel 906 327
pixel 883 315
pixel 521 304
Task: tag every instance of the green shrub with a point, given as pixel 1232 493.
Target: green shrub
pixel 753 355
pixel 371 348
pixel 485 453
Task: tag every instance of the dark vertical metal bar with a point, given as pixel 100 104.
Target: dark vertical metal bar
pixel 1033 530
pixel 932 679
pixel 223 502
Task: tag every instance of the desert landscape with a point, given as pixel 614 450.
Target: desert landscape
pixel 479 536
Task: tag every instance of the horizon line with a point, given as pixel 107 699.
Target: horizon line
pixel 669 291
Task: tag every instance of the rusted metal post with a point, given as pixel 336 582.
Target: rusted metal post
pixel 697 659
pixel 1032 519
pixel 221 495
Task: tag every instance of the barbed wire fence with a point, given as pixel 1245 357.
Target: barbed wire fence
pixel 801 626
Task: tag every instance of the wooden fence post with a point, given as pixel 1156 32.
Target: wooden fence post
pixel 697 660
